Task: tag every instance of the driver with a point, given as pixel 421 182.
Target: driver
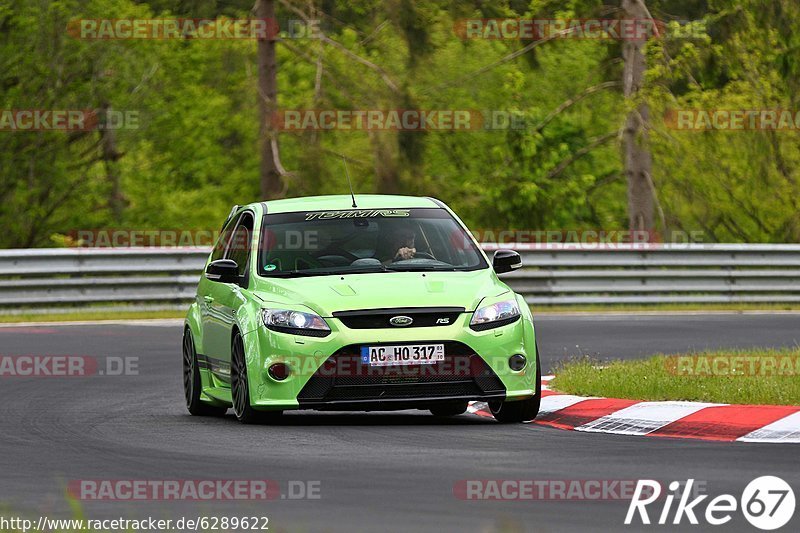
pixel 402 244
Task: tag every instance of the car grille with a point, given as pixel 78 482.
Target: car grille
pixel 343 378
pixel 380 318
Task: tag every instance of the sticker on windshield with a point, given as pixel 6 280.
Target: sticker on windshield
pixel 270 267
pixel 361 213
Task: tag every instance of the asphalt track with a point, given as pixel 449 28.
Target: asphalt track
pixel 378 472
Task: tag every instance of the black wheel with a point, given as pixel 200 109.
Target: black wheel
pixel 240 388
pixel 192 385
pixel 520 410
pixel 449 409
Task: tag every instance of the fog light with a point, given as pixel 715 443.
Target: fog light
pixel 516 362
pixel 278 371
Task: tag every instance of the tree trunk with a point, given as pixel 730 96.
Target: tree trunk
pixel 270 168
pixel 638 159
pixel 110 156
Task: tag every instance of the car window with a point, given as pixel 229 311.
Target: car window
pixel 241 241
pixel 222 241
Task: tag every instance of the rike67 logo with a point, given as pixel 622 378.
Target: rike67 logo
pixel 767 502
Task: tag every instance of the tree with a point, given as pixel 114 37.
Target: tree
pixel 638 160
pixel 272 171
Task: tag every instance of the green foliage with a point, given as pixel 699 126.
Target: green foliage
pixel 736 186
pixel 195 151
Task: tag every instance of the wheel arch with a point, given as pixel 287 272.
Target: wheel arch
pixel 250 348
pixel 193 323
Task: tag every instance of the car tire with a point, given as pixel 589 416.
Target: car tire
pixel 507 412
pixel 192 382
pixel 240 389
pixel 449 409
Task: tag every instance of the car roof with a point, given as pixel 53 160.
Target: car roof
pixel 343 202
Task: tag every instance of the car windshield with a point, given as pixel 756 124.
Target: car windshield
pixel 319 243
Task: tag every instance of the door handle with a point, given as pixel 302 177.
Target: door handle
pixel 208 299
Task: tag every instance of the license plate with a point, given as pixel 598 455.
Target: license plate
pixel 406 354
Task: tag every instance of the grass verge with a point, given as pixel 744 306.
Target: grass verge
pixel 80 316
pixel 698 307
pixel 736 376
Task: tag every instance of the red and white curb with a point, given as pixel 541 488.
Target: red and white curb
pixel 687 420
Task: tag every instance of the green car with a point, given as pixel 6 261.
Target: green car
pixel 364 303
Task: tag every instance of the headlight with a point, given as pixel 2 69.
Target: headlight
pixel 495 315
pixel 296 322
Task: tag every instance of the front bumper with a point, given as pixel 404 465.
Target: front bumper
pixel 313 382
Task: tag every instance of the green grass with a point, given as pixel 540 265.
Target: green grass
pixel 621 308
pixel 656 378
pixel 78 316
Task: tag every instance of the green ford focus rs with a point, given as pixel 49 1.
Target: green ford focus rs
pixel 365 303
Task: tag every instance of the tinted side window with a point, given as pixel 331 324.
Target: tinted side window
pixel 222 241
pixel 241 243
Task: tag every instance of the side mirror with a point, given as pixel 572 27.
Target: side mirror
pixel 506 261
pixel 223 271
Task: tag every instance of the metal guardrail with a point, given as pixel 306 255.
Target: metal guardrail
pixel 147 278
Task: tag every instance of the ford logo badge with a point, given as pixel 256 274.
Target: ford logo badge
pixel 401 321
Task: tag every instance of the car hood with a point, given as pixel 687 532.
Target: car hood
pixel 328 294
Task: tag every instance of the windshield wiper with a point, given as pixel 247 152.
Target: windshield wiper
pixel 308 273
pixel 422 268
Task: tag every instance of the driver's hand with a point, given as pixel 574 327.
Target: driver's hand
pixel 405 253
